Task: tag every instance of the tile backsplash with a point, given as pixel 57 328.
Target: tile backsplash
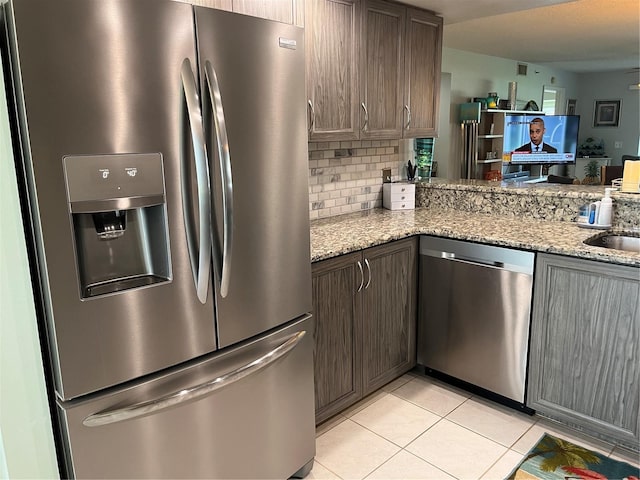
pixel 346 177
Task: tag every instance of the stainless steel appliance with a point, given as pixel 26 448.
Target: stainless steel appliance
pixel 474 314
pixel 163 152
pixel 469 129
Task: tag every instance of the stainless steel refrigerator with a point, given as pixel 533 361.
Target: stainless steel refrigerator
pixel 163 154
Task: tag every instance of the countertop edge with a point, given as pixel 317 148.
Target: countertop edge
pixel 353 232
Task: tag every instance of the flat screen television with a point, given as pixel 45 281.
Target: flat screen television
pixel 559 135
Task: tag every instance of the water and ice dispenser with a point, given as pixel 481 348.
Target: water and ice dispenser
pixel 118 210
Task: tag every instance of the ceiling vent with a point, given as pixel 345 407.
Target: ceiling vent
pixel 522 68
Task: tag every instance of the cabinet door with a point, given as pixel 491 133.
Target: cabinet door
pixel 381 90
pixel 389 312
pixel 278 10
pixel 331 39
pixel 423 56
pixel 219 4
pixel 585 346
pixel 337 360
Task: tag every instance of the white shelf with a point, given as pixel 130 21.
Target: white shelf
pixel 494 160
pixel 490 136
pixel 514 112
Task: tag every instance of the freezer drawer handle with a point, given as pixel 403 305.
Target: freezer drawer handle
pixel 193 393
pixel 222 256
pixel 200 255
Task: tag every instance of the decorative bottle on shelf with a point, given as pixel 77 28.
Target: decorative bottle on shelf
pixel 492 100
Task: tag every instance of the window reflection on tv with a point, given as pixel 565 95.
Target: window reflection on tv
pixel 534 139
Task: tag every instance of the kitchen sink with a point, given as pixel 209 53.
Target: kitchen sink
pixel 617 241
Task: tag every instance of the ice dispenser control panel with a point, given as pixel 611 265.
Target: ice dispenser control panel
pixel 118 213
pixel 99 178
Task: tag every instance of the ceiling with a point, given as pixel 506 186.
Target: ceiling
pixel 572 35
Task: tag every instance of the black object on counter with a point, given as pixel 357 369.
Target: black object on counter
pixel 411 171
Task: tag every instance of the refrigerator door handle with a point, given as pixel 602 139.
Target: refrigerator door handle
pixel 193 393
pixel 199 254
pixel 223 257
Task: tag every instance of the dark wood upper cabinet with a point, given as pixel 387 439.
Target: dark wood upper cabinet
pixel 373 70
pixel 423 59
pixel 381 90
pixel 286 11
pixel 331 41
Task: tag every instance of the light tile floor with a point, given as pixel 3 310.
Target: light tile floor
pixel 419 428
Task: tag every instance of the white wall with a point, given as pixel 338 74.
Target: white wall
pixel 26 438
pixel 611 86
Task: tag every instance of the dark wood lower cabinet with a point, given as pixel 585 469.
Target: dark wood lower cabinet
pixel 337 361
pixel 365 309
pixel 584 366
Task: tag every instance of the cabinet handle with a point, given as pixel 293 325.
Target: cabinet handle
pixel 366 262
pixel 361 275
pixel 366 117
pixel 406 107
pixel 312 115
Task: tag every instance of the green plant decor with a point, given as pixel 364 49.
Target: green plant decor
pixel 592 173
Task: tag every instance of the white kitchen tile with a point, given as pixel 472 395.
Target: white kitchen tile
pixel 429 394
pixel 501 424
pixel 395 419
pixel 319 472
pixel 504 466
pixel 329 424
pixel 457 450
pixel 406 466
pixel 398 382
pixel 531 437
pixel 365 402
pixel 351 451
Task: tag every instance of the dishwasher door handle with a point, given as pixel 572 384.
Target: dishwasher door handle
pixel 472 261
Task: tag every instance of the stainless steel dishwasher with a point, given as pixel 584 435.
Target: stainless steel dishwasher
pixel 474 312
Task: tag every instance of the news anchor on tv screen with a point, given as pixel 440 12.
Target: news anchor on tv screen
pixel 536 134
pixel 555 136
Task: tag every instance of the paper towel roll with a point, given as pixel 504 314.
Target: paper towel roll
pixel 631 176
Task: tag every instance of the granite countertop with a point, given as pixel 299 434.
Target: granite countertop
pixel 335 236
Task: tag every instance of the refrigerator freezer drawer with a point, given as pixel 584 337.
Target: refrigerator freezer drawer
pixel 260 426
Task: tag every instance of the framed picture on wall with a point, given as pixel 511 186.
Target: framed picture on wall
pixel 606 113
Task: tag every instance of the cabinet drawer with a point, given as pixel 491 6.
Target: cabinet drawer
pixel 399 196
pixel 401 205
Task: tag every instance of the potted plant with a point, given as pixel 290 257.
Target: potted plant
pixel 592 173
